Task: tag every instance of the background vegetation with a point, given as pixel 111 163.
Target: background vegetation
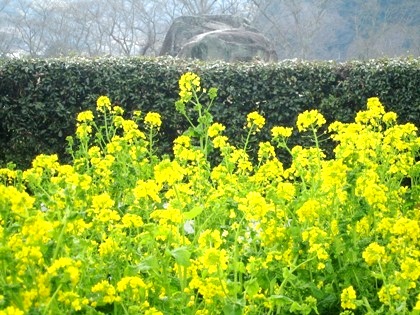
pixel 41 98
pixel 310 29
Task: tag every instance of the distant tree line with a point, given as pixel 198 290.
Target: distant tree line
pixel 307 29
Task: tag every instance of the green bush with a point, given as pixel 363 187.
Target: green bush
pixel 39 99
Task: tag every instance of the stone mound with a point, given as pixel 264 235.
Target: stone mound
pixel 216 37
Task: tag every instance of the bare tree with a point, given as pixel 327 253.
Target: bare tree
pixel 3 4
pixel 244 8
pixel 29 22
pixel 383 31
pixel 115 27
pixel 198 7
pixel 6 32
pixel 135 26
pixel 310 29
pixel 295 27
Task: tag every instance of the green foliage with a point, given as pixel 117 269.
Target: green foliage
pixel 39 99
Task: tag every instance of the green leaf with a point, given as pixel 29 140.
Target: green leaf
pixel 182 256
pixel 148 263
pixel 233 309
pixel 196 211
pixel 252 287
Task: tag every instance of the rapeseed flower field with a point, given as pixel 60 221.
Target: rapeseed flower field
pixel 121 230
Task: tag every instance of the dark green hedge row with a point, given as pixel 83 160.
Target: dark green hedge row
pixel 39 99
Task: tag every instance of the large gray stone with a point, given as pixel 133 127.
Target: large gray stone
pixel 228 45
pixel 211 37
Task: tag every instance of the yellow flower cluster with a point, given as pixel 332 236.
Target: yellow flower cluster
pixel 374 253
pixel 189 83
pixel 134 288
pixel 348 297
pixel 153 120
pixel 105 292
pixel 311 118
pixel 85 116
pixel 215 129
pixel 103 104
pixel 121 230
pixel 255 120
pixel 280 131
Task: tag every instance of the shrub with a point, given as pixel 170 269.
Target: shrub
pixel 40 99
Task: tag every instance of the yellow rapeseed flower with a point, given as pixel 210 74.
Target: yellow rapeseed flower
pixel 108 247
pixel 103 103
pixel 29 255
pixel 129 125
pixel 266 151
pixel 85 116
pixel 147 190
pixel 363 226
pixel 410 268
pixel 389 293
pixel 374 104
pixel 72 299
pixel 269 172
pixel 211 288
pixel 107 215
pixel 106 291
pixel 169 172
pixel 281 132
pixel 210 239
pixel 220 141
pixel 367 186
pixel 310 118
pixel 134 287
pixel 11 310
pixel 83 131
pixel 153 120
pixel 215 129
pixel 213 259
pixel 167 215
pixel 374 253
pixel 153 311
pixel 255 119
pixel 241 159
pixel 131 220
pixel 68 266
pixel 348 297
pixel 37 229
pixel 408 228
pixel 309 211
pixel 118 110
pixel 188 83
pixel 254 206
pixel 101 202
pixel 373 115
pixel 389 117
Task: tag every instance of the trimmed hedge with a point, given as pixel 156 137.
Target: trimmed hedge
pixel 39 99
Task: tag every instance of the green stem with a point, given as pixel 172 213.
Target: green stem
pixel 219 277
pixel 248 137
pixel 151 144
pixel 285 281
pixel 189 120
pixel 235 252
pixel 52 298
pixel 106 127
pixel 124 309
pixel 60 237
pixel 386 288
